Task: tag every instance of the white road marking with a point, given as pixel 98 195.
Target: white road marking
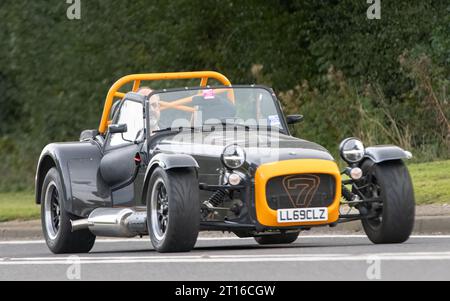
pixel 401 256
pixel 114 240
pixel 111 240
pixel 120 240
pixel 412 256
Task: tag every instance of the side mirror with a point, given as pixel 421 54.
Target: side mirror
pixel 118 128
pixel 88 135
pixel 293 119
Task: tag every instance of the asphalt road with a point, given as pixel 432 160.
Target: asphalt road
pixel 339 257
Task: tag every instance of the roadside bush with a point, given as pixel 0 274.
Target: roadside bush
pixel 417 121
pixel 385 81
pixel 335 112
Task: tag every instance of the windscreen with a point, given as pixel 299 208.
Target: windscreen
pixel 250 107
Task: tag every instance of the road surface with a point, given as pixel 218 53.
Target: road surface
pixel 332 257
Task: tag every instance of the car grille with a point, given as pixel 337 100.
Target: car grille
pixel 301 191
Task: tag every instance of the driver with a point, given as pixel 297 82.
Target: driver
pixel 155 109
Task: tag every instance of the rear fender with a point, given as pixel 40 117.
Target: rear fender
pixel 61 156
pixel 51 157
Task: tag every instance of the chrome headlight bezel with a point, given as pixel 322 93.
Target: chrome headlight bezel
pixel 352 150
pixel 233 156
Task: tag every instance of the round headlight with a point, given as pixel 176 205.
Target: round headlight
pixel 352 150
pixel 233 156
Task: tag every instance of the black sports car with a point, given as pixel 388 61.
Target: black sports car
pixel 171 163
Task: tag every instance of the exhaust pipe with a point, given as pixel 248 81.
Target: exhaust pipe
pixel 80 224
pixel 114 222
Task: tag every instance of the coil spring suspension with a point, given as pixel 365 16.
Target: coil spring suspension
pixel 347 194
pixel 217 198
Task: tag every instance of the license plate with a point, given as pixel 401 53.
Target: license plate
pixel 302 215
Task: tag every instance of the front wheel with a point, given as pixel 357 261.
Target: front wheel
pixel 392 218
pixel 275 239
pixel 173 210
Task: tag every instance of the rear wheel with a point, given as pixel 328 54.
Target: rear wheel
pixel 173 210
pixel 393 216
pixel 282 238
pixel 56 221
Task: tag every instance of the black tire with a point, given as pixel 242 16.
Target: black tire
pixel 394 187
pixel 276 239
pixel 55 220
pixel 175 227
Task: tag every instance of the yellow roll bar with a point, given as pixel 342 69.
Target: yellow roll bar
pixel 138 78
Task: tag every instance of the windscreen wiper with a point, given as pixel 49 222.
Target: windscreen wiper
pixel 178 129
pixel 224 123
pixel 268 128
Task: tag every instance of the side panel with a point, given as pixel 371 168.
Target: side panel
pixel 118 169
pixel 78 166
pixel 89 191
pixel 118 166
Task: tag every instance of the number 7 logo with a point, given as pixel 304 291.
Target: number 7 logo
pixel 301 189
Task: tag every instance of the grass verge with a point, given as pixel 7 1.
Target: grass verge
pixel 18 206
pixel 431 182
